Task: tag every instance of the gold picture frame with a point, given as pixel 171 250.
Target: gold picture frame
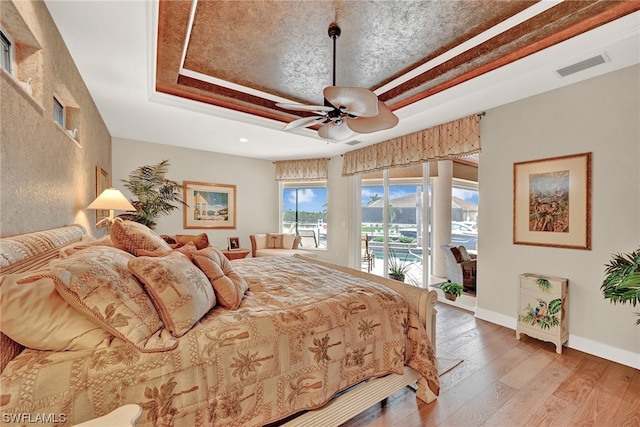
pixel 209 205
pixel 102 183
pixel 552 202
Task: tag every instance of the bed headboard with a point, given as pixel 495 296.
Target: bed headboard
pixel 27 252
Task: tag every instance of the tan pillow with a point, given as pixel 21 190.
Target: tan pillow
pixel 201 240
pixel 84 244
pixel 274 241
pixel 179 290
pixel 131 236
pixel 35 316
pixel 228 285
pixel 189 247
pixel 97 283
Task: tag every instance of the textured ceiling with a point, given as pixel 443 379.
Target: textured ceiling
pixel 247 55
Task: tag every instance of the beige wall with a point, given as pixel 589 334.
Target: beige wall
pixel 256 188
pixel 599 115
pixel 46 179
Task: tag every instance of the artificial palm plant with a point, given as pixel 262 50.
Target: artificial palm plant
pixel 156 195
pixel 622 280
pixel 398 267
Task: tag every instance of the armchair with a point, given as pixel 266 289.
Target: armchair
pixel 461 267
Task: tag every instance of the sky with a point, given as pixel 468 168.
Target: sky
pixel 396 191
pixel 309 199
pixel 314 199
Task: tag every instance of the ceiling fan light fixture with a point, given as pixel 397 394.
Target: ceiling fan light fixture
pixel 335 132
pixel 347 110
pixel 384 120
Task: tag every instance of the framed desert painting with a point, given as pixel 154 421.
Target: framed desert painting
pixel 209 205
pixel 552 202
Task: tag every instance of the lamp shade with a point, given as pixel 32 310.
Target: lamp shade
pixel 111 199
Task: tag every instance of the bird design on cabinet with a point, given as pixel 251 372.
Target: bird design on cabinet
pixel 540 311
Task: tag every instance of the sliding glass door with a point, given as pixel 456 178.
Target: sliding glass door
pixel 395 224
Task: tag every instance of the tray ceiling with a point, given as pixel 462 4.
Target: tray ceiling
pixel 247 55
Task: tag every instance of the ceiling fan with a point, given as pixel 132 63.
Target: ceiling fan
pixel 346 110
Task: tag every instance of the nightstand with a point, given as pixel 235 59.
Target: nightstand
pixel 236 253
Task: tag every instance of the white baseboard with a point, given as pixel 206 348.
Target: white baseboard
pixel 575 342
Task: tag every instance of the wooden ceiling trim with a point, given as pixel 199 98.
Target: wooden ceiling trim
pixel 607 13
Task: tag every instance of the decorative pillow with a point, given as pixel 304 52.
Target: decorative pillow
pixel 274 241
pixel 186 249
pixel 35 316
pixel 456 253
pixel 84 244
pixel 131 236
pixel 201 240
pixel 97 283
pixel 260 240
pixel 228 285
pixel 169 239
pixel 288 241
pixel 179 290
pixel 464 255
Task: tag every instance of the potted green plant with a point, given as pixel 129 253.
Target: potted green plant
pixel 398 267
pixel 451 290
pixel 622 281
pixel 156 195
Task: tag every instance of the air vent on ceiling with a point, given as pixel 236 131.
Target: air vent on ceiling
pixel 354 142
pixel 582 65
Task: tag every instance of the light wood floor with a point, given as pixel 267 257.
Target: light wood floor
pixel 506 382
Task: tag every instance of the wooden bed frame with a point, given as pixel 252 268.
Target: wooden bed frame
pixel 31 251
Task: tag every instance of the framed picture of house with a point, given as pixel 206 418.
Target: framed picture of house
pixel 552 202
pixel 102 183
pixel 209 205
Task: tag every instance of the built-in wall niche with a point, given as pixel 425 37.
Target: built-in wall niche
pixel 27 55
pixel 65 104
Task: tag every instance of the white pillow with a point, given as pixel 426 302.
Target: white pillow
pixel 261 241
pixel 287 241
pixel 463 253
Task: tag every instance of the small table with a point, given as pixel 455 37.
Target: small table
pixel 235 253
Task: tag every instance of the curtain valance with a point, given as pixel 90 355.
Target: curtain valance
pixel 450 140
pixel 302 170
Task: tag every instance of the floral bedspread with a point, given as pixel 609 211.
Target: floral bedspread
pixel 303 332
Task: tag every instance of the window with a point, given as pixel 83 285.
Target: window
pixel 58 112
pixel 6 52
pixel 304 212
pixel 464 214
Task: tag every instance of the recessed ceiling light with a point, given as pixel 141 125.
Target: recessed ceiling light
pixel 243 139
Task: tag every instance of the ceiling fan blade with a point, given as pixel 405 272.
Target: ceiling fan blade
pixel 359 101
pixel 302 107
pixel 335 132
pixel 385 119
pixel 304 122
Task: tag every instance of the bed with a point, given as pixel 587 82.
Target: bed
pixel 289 338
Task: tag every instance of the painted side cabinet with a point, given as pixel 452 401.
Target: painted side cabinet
pixel 542 309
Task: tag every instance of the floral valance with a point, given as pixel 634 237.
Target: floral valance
pixel 302 170
pixel 450 140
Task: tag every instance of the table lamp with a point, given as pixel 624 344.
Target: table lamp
pixel 111 200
